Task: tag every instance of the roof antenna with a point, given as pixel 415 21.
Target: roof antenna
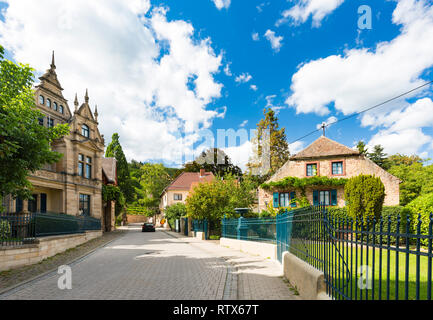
pixel 324 129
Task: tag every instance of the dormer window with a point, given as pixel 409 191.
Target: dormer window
pixel 48 103
pixel 85 131
pixel 55 106
pixel 41 100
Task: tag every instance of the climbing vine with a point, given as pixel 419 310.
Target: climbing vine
pixel 302 183
pixel 113 193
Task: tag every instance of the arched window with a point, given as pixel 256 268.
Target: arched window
pixel 61 109
pixel 56 107
pixel 41 99
pixel 48 103
pixel 85 131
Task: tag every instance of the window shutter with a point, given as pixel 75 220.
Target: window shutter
pixel 334 201
pixel 293 196
pixel 276 200
pixel 315 198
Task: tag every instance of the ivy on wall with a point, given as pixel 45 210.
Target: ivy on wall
pixel 302 183
pixel 112 193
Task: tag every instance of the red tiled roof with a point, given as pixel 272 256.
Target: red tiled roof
pixel 324 147
pixel 186 179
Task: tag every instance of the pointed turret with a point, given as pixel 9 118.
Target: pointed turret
pixel 53 64
pixel 96 114
pixel 76 103
pixel 86 97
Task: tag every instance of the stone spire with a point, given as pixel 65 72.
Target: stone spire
pixel 53 64
pixel 86 97
pixel 96 113
pixel 76 103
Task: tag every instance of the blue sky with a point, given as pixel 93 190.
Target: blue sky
pixel 325 67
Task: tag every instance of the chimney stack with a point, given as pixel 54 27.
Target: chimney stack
pixel 202 172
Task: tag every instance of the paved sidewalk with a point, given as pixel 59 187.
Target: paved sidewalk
pixel 257 278
pixel 16 276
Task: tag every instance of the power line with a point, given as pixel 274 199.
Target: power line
pixel 363 111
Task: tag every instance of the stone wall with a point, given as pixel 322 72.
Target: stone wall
pixel 18 256
pixel 136 219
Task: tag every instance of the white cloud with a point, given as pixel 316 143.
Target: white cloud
pixel 274 40
pixel 243 78
pixel 295 147
pixel 146 94
pixel 220 4
pixel 328 123
pixel 255 36
pixel 227 70
pixel 403 128
pixel 240 155
pixel 407 142
pixel 361 78
pixel 243 124
pixel 317 9
pixel 254 87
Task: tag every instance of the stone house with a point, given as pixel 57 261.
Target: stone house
pixel 325 157
pixel 73 185
pixel 180 188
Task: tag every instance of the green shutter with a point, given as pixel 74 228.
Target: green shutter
pixel 315 198
pixel 276 200
pixel 293 196
pixel 334 201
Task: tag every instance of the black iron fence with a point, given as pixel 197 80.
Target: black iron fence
pixel 25 228
pixel 250 229
pixel 364 259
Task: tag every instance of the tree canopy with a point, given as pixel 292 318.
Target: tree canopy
pixel 25 145
pixel 213 200
pixel 114 150
pixel 213 160
pixel 279 149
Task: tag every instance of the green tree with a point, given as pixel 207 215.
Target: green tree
pixel 279 149
pixel 153 179
pixel 379 157
pixel 417 179
pixel 212 160
pixel 25 146
pixel 174 212
pixel 364 195
pixel 362 148
pixel 114 150
pixel 220 197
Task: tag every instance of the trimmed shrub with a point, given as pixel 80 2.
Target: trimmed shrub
pixel 365 195
pixel 423 206
pixel 174 212
pixel 388 213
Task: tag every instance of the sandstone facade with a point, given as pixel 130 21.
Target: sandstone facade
pixel 323 153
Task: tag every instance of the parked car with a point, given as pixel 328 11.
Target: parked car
pixel 148 227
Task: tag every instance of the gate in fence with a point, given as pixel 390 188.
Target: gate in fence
pixel 201 226
pixel 185 226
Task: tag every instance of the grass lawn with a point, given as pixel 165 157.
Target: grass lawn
pixel 386 282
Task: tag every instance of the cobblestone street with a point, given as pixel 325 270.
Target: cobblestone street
pixel 163 266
